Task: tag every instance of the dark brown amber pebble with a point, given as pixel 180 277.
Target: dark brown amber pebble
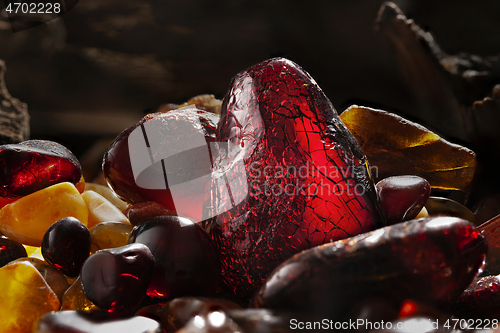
pixel 95 322
pixel 142 211
pixel 402 197
pixel 186 260
pixel 117 279
pixel 66 245
pixel 487 208
pixel 162 151
pixel 288 177
pixel 174 314
pixel 437 206
pixel 429 260
pixel 212 322
pixel 35 164
pixel 55 279
pixel 481 300
pixel 10 250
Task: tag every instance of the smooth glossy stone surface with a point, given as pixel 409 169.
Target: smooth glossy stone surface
pixel 108 235
pixel 142 211
pixel 35 164
pixel 81 322
pixel 24 297
pixel 437 206
pixel 288 175
pixel 402 197
pixel 430 260
pixel 164 151
pixel 55 279
pixel 27 219
pixel 174 314
pixel 10 250
pixel 265 320
pixel 75 299
pixel 186 260
pixel 480 300
pixel 101 210
pixel 117 279
pixel 66 245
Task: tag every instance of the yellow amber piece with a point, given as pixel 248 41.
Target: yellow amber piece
pixel 107 235
pixel 24 298
pixel 101 210
pixel 27 219
pixel 34 252
pixel 75 299
pixel 108 194
pixel 396 146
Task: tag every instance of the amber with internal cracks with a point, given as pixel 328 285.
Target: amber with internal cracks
pixel 27 219
pixel 24 298
pixel 101 210
pixel 395 146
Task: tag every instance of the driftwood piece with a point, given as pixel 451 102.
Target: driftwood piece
pixel 14 117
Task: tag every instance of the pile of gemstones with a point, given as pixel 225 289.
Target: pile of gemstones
pixel 262 217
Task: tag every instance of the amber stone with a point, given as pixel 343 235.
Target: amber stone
pixel 10 250
pixel 187 263
pixel 396 146
pixel 27 219
pixel 55 279
pixel 117 279
pixel 288 177
pixel 437 206
pixel 212 322
pixel 24 297
pixel 35 164
pixel 480 300
pixel 142 211
pixel 101 210
pixel 161 152
pixel 95 322
pixel 108 235
pixel 491 231
pixel 75 299
pixel 174 314
pixel 66 245
pixel 402 197
pixel 429 260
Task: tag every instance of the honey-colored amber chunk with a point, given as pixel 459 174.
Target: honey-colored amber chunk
pixel 107 235
pixel 34 252
pixel 396 146
pixel 27 219
pixel 24 297
pixel 80 186
pixel 108 194
pixel 75 299
pixel 101 210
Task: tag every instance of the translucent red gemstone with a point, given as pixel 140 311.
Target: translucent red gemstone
pixel 35 164
pixel 290 175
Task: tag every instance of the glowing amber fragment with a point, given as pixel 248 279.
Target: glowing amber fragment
pixel 75 299
pixel 396 146
pixel 34 252
pixel 24 298
pixel 101 210
pixel 27 219
pixel 108 235
pixel 80 186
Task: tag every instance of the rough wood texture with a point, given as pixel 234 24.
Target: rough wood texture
pixel 14 118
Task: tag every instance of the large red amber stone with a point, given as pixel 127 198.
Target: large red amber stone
pixel 288 175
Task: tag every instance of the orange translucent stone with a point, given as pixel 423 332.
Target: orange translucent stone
pixel 75 299
pixel 107 235
pixel 101 210
pixel 27 219
pixel 396 146
pixel 24 298
pixel 80 186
